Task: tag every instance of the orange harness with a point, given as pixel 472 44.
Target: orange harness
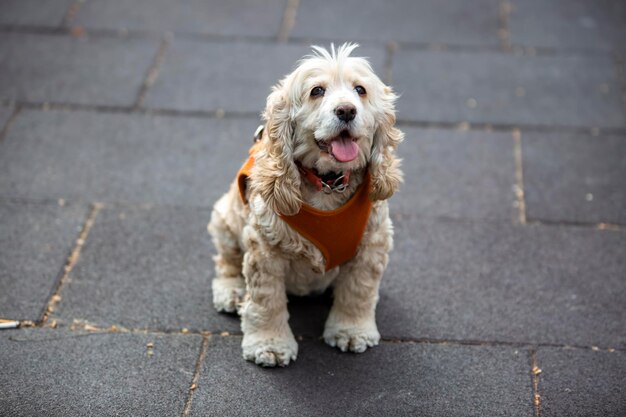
pixel 336 233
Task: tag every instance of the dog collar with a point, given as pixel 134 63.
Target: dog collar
pixel 327 183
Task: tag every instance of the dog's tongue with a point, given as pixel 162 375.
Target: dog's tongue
pixel 344 149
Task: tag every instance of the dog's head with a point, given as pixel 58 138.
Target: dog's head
pixel 333 114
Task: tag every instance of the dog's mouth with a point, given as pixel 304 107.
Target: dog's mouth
pixel 342 147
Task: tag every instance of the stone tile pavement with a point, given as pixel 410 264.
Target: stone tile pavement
pixel 122 122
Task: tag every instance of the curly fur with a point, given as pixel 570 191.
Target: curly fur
pixel 260 258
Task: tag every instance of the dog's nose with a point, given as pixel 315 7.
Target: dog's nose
pixel 345 112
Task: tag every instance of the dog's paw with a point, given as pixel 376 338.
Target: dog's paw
pixel 349 337
pixel 270 352
pixel 228 293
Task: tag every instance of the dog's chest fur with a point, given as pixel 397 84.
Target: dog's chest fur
pixel 306 279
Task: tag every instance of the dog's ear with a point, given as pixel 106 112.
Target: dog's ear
pixel 384 165
pixel 277 178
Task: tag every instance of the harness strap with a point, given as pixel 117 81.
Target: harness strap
pixel 336 233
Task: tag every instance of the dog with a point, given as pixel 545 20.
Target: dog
pixel 325 158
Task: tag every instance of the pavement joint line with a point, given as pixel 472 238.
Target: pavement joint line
pixel 531 222
pixel 153 72
pixel 534 222
pixel 5 129
pixel 519 176
pixel 46 106
pixel 288 21
pixel 504 31
pixel 534 372
pixel 79 325
pixel 97 108
pixel 397 216
pixel 70 13
pixel 612 227
pixel 621 76
pixel 199 114
pixel 123 34
pixel 508 127
pixel 109 204
pixel 33 30
pixel 223 114
pixel 390 49
pixel 516 49
pixel 196 375
pixel 495 343
pixel 41 201
pixel 71 261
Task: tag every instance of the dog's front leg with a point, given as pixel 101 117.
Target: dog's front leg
pixel 351 324
pixel 267 337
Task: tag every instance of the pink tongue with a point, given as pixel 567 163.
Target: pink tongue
pixel 344 149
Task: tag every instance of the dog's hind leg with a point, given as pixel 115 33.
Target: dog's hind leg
pixel 228 284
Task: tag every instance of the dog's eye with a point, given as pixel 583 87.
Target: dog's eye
pixel 317 91
pixel 360 90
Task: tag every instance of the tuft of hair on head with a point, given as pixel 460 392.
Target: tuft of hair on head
pixel 335 54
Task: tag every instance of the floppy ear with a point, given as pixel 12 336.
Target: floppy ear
pixel 384 165
pixel 277 178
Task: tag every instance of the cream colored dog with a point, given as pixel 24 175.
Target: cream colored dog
pixel 328 123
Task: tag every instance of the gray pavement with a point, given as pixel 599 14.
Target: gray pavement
pixel 122 122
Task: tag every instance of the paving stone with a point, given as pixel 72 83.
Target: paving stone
pixel 568 24
pixel 35 241
pixel 119 157
pixel 63 69
pixel 489 280
pixel 457 174
pixel 391 379
pixel 33 12
pixel 432 21
pixel 61 373
pixel 146 268
pixel 582 383
pixel 231 18
pixel 230 76
pixel 575 177
pixel 486 87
